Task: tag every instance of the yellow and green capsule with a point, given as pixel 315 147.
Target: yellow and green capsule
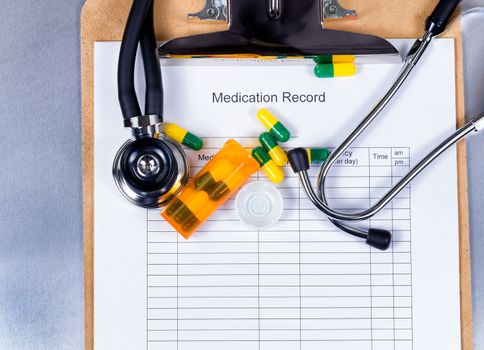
pixel 332 70
pixel 204 182
pixel 182 214
pixel 190 223
pixel 273 149
pixel 221 170
pixel 218 191
pixel 192 203
pixel 275 127
pixel 317 155
pixel 174 206
pixel 327 59
pixel 273 172
pixel 183 136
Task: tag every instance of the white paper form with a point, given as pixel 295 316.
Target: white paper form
pixel 301 284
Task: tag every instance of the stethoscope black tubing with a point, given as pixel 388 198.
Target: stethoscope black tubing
pixel 154 85
pixel 139 30
pixel 435 24
pixel 441 15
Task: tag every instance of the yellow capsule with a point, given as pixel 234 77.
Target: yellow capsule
pixel 344 59
pixel 279 156
pixel 196 201
pixel 221 169
pixel 344 69
pixel 174 132
pixel 273 172
pixel 237 179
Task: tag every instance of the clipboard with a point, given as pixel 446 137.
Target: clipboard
pixel 104 20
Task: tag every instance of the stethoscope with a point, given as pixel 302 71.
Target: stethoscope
pixel 298 158
pixel 149 169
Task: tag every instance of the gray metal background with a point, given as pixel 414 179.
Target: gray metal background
pixel 41 262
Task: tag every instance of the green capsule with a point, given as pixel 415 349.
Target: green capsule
pixel 318 155
pixel 204 182
pixel 193 141
pixel 273 149
pixel 324 70
pixel 275 127
pixel 323 59
pixel 218 191
pixel 261 156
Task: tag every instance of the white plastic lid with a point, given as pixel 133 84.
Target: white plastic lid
pixel 259 205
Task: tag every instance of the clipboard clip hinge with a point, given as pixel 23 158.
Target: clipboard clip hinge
pixel 333 10
pixel 218 10
pixel 214 10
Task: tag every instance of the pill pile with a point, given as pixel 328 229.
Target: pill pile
pixel 270 155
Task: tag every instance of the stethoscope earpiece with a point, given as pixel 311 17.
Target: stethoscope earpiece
pixel 299 161
pixel 379 239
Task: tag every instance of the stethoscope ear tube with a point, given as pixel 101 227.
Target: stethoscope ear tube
pixel 127 58
pixel 436 24
pixel 140 30
pixel 438 20
pixel 151 63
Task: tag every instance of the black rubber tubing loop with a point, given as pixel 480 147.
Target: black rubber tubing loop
pixel 438 20
pixel 154 85
pixel 127 58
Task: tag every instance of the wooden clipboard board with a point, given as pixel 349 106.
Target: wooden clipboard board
pixel 104 20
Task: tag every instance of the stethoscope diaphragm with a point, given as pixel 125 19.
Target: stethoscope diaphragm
pixel 150 171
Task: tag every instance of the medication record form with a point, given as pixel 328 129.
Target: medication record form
pixel 301 284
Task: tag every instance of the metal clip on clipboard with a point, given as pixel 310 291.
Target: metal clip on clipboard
pixel 278 28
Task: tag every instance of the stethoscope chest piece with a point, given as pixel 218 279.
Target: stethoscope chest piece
pixel 150 171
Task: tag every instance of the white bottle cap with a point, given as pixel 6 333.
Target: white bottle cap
pixel 259 205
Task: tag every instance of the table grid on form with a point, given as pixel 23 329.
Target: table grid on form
pixel 301 284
